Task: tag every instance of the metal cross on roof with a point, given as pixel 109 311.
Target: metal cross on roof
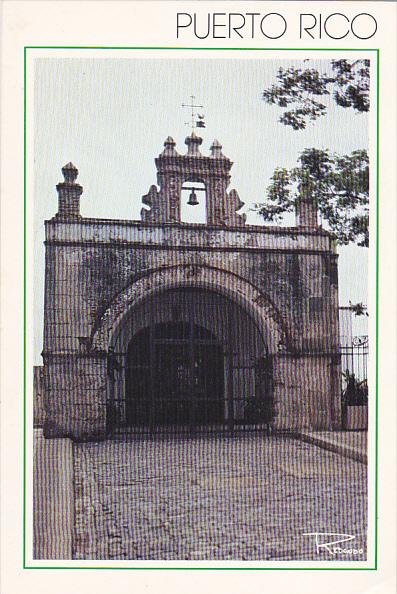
pixel 197 120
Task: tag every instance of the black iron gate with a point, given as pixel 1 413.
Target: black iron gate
pixel 178 377
pixel 354 364
pixel 174 377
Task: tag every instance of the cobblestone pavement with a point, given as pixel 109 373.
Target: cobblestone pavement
pixel 215 497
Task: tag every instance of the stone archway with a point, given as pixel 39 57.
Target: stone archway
pixel 268 319
pixel 245 326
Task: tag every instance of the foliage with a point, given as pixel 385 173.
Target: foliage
pixel 359 309
pixel 356 393
pixel 300 91
pixel 338 184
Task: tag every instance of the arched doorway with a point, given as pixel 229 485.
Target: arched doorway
pixel 192 357
pixel 175 376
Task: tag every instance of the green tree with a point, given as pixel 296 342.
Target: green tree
pixel 339 184
pixel 299 91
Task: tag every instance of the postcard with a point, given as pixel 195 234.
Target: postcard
pixel 198 309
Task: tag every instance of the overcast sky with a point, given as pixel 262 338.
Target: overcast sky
pixel 110 117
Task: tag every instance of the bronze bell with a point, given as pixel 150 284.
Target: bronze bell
pixel 192 198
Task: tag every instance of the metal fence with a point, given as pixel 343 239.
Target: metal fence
pixel 354 359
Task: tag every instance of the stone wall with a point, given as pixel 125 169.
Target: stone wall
pixel 75 396
pixel 83 277
pixel 89 263
pixel 306 392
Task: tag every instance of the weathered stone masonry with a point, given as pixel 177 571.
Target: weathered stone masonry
pixel 100 273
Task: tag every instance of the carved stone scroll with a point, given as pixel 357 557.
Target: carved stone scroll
pixel 151 199
pixel 232 204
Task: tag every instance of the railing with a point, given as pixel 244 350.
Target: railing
pixel 354 360
pixel 354 384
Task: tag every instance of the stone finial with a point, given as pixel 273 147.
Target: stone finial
pixel 216 150
pixel 193 143
pixel 70 173
pixel 69 194
pixel 169 147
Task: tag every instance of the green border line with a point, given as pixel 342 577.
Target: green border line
pixel 162 48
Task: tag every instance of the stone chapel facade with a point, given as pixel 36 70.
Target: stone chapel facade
pixel 159 322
